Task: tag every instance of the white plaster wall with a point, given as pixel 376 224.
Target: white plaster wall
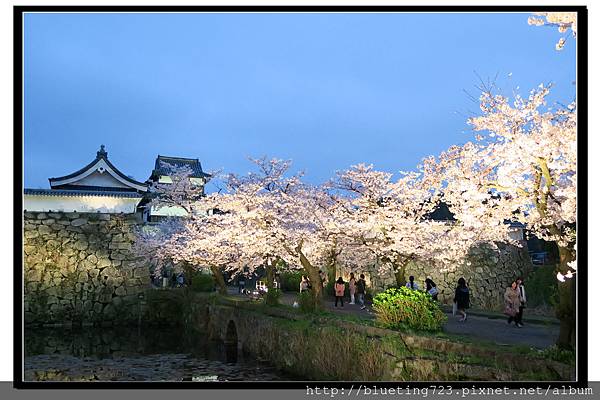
pixel 170 211
pixel 80 204
pixel 98 179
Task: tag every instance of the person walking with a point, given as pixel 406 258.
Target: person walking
pixel 461 298
pixel 340 287
pixel 324 279
pixel 411 283
pixel 522 299
pixel 242 284
pixel 511 303
pixel 361 288
pixel 431 288
pixel 303 284
pixel 352 287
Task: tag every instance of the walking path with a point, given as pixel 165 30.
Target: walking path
pixel 480 326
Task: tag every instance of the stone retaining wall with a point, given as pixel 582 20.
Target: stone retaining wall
pixel 320 348
pixel 78 268
pixel 488 273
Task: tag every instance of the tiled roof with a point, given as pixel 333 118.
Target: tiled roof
pixel 165 166
pixel 94 188
pixel 81 193
pixel 102 154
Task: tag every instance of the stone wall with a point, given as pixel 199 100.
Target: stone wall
pixel 78 268
pixel 321 348
pixel 488 273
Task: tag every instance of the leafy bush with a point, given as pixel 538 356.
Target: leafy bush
pixel 272 297
pixel 202 282
pixel 557 354
pixel 290 281
pixel 307 302
pixel 329 289
pixel 407 308
pixel 541 287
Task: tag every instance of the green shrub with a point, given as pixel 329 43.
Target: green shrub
pixel 290 281
pixel 329 289
pixel 307 302
pixel 561 355
pixel 541 287
pixel 407 308
pixel 272 297
pixel 202 282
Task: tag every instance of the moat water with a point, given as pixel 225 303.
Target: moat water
pixel 146 354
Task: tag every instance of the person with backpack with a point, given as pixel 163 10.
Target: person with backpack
pixel 461 299
pixel 411 283
pixel 361 289
pixel 339 287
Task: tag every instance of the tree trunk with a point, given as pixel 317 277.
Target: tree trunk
pixel 219 280
pixel 565 310
pixel 315 278
pixel 400 272
pixel 332 271
pixel 270 275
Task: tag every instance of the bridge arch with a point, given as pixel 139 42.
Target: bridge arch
pixel 231 342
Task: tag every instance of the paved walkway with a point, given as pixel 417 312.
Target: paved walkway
pixel 476 327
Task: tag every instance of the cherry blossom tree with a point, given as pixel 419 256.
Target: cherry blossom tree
pixel 288 218
pixel 562 20
pixel 391 222
pixel 523 169
pixel 191 242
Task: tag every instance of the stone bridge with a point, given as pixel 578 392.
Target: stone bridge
pixel 317 348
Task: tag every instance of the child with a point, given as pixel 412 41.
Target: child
pixel 339 291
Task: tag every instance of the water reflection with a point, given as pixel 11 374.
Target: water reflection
pixel 149 354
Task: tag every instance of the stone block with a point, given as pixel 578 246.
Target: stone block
pixel 103 263
pixel 29 249
pixel 117 301
pixel 117 256
pixel 80 245
pixel 102 253
pixel 48 221
pixel 120 291
pixel 98 308
pixel 31 234
pixel 45 230
pixel 124 246
pixel 72 215
pixel 41 216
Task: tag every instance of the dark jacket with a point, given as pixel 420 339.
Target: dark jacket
pixel 361 286
pixel 461 297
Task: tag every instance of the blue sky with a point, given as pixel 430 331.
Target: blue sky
pixel 325 90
